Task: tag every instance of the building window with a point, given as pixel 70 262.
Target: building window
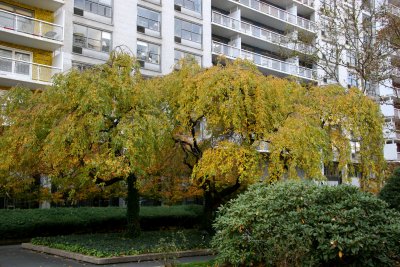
pixel 99 7
pixel 16 62
pixel 148 52
pixel 149 19
pixel 351 58
pixel 194 5
pixel 92 39
pixel 80 66
pixel 188 31
pixel 180 55
pixel 352 80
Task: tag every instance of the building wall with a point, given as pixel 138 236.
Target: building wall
pixel 124 34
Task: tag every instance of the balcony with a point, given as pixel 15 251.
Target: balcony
pixel 263 35
pixel 395 10
pixel 266 64
pixel 308 3
pixel 26 31
pixel 156 2
pixel 396 114
pixel 51 5
pixel 277 13
pixel 31 75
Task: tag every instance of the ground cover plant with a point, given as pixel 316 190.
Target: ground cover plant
pixel 303 224
pixel 210 263
pixel 116 244
pixel 15 224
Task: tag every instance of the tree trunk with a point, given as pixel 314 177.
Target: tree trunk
pixel 208 211
pixel 133 207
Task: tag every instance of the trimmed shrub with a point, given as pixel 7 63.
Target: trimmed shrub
pixel 391 191
pixel 302 224
pixel 21 224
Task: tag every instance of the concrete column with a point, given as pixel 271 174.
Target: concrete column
pixel 45 182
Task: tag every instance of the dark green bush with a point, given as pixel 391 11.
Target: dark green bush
pixel 391 191
pixel 302 224
pixel 20 224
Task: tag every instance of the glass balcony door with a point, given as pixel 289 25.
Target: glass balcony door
pixel 21 23
pixel 15 62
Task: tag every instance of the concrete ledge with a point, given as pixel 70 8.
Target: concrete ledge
pixel 111 260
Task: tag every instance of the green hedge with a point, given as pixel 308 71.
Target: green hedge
pixel 20 224
pixel 302 224
pixel 391 191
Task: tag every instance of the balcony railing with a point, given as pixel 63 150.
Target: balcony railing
pixel 397 113
pixel 262 61
pixel 31 26
pixel 258 32
pixel 309 3
pixel 395 10
pixel 396 72
pixel 278 13
pixel 24 70
pixel 157 2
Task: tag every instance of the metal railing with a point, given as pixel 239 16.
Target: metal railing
pixel 258 32
pixel 309 3
pixel 157 2
pixel 395 10
pixel 278 13
pixel 31 26
pixel 24 70
pixel 397 113
pixel 396 72
pixel 262 61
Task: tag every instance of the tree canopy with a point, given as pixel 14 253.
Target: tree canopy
pixel 108 124
pixel 223 115
pixel 101 125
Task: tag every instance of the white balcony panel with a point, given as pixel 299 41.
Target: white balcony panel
pixel 51 5
pixel 257 36
pixel 395 10
pixel 390 152
pixel 22 30
pixel 156 2
pixel 304 7
pixel 268 14
pixel 270 65
pixel 17 72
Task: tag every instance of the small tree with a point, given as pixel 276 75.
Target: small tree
pixel 391 191
pixel 348 39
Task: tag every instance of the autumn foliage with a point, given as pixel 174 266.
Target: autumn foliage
pixel 191 133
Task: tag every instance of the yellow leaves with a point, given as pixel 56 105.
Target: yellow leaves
pixel 227 164
pixel 340 254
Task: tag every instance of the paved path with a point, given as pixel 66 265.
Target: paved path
pixel 15 256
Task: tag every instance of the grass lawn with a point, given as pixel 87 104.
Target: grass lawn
pixel 16 224
pixel 115 244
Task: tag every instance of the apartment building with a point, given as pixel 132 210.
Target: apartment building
pixel 390 93
pixel 31 41
pixel 39 38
